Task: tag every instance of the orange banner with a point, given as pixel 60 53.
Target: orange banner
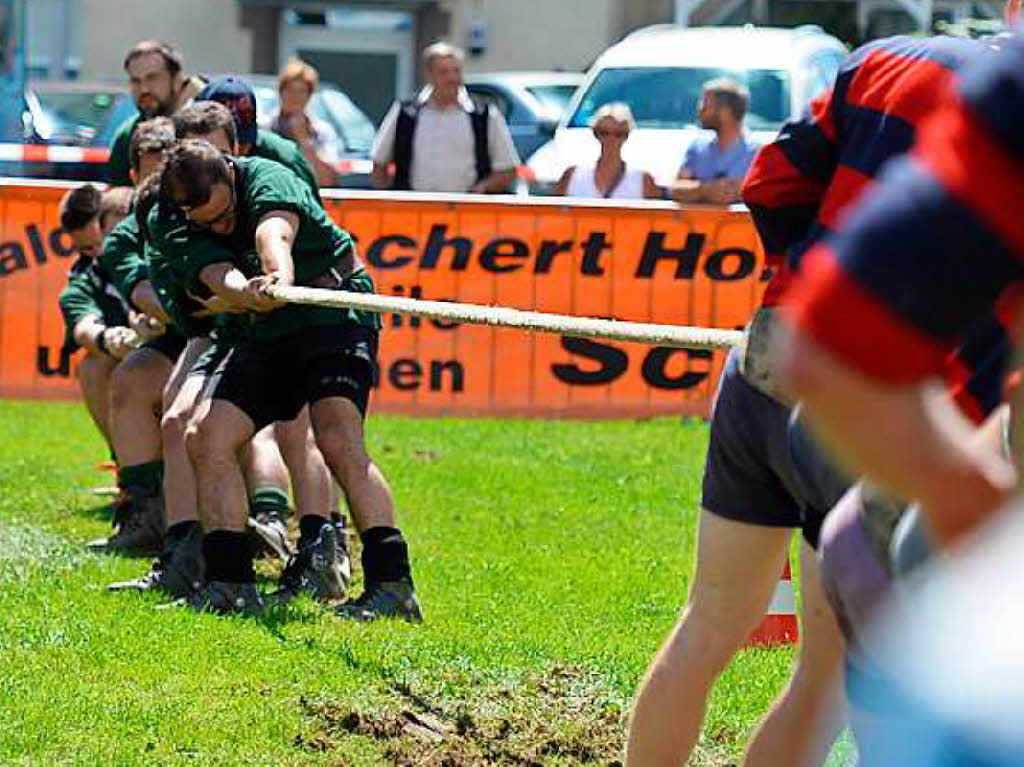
pixel 649 263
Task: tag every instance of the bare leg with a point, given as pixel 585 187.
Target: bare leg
pixel 180 398
pixel 136 400
pixel 94 380
pixel 738 566
pixel 805 720
pixel 311 479
pixel 338 427
pixel 214 440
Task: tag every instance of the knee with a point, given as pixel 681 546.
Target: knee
pixel 203 445
pixel 124 385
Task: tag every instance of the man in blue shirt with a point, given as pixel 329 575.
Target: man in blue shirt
pixel 716 163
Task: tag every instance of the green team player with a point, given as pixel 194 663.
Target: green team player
pixel 253 141
pixel 229 227
pixel 95 316
pixel 159 86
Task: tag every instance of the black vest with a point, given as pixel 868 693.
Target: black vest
pixel 405 127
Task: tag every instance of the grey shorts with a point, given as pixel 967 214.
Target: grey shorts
pixel 748 474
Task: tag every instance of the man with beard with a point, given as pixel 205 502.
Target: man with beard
pixel 159 86
pixel 715 165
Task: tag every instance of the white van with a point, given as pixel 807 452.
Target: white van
pixel 659 72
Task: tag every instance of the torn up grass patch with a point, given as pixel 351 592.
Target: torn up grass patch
pixel 565 715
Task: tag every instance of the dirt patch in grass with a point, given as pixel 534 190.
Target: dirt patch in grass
pixel 562 716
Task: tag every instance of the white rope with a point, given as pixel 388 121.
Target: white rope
pixel 504 317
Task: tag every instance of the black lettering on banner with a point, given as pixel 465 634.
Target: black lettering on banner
pixel 612 363
pixel 404 374
pixel 730 264
pixel 595 244
pixel 36 241
pixel 547 252
pixel 58 237
pixel 375 254
pixel 44 368
pixel 685 257
pixel 436 243
pixel 454 368
pixel 12 258
pixel 656 375
pixel 504 248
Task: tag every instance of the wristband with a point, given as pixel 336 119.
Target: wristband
pixel 101 342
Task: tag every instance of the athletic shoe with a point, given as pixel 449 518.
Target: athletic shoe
pixel 178 571
pixel 321 567
pixel 269 535
pixel 226 598
pixel 389 599
pixel 140 533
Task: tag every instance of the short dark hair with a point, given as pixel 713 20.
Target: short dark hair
pixel 730 94
pixel 116 201
pixel 172 56
pixel 204 117
pixel 191 169
pixel 80 207
pixel 154 135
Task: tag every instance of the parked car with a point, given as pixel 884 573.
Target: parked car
pixel 532 102
pixel 659 72
pixel 86 115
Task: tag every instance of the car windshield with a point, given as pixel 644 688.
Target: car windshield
pixel 666 97
pixel 80 116
pixel 554 97
pixel 333 107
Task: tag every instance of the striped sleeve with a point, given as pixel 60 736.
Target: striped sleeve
pixel 925 258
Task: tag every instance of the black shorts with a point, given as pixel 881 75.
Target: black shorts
pixel 272 380
pixel 748 475
pixel 170 344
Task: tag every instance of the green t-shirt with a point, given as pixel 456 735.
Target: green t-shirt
pixel 124 256
pixel 271 146
pixel 262 186
pixel 90 291
pixel 120 162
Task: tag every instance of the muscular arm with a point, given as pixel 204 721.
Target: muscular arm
pixel 275 235
pixel 145 298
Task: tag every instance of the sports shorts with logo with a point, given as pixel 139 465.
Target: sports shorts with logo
pixel 271 380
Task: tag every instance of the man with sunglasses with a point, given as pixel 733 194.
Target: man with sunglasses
pixel 229 227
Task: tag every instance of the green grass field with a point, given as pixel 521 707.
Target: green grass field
pixel 551 558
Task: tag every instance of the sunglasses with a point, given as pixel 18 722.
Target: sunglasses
pixel 224 215
pixel 605 133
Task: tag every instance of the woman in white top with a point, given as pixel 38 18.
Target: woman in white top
pixel 610 178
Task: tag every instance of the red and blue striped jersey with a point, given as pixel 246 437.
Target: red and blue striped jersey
pixel 934 256
pixel 799 185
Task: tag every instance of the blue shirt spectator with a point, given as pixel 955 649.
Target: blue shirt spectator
pixel 716 162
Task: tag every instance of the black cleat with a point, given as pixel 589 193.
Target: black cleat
pixel 140 532
pixel 226 598
pixel 177 572
pixel 389 599
pixel 322 568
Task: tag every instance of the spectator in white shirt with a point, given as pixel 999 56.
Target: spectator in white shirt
pixel 609 178
pixel 442 141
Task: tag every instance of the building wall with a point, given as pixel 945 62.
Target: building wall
pixel 209 33
pixel 536 34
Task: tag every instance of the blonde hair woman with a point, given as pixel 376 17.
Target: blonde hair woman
pixel 295 86
pixel 609 178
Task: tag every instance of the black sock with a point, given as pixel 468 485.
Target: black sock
pixel 385 555
pixel 179 531
pixel 228 557
pixel 310 526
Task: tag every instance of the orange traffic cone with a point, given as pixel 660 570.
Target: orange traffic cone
pixel 779 624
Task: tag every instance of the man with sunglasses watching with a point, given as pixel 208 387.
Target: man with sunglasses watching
pixel 229 227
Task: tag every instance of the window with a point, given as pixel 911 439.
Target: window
pixel 556 97
pixel 667 97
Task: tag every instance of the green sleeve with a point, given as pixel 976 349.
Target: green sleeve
pixel 119 163
pixel 276 188
pixel 76 303
pixel 123 257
